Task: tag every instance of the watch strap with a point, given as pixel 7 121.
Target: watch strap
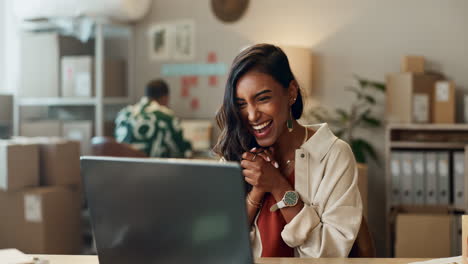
pixel 277 206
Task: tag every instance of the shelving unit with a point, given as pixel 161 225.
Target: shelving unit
pixel 99 102
pixel 417 137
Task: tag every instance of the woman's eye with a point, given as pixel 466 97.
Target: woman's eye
pixel 265 98
pixel 241 105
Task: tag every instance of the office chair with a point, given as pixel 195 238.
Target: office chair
pixel 364 244
pixel 108 146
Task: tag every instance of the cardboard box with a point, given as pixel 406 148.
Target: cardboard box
pixel 410 97
pixel 44 128
pixel 6 107
pixel 19 165
pixel 198 132
pixel 59 162
pixel 423 236
pixel 464 242
pixel 362 185
pixel 40 61
pixel 81 131
pixel 444 102
pixel 44 220
pixel 77 76
pixel 115 78
pixel 413 64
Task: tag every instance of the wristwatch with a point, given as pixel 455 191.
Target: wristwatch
pixel 290 199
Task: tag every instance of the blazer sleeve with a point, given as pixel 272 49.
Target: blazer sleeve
pixel 328 227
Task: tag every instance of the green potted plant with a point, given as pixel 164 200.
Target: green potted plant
pixel 344 122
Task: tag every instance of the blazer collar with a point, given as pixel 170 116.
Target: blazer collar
pixel 321 142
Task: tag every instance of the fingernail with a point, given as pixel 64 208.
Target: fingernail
pixel 268 159
pixel 276 165
pixel 253 149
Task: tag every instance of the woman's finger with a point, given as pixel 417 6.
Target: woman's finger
pixel 250 181
pixel 248 173
pixel 247 164
pixel 265 157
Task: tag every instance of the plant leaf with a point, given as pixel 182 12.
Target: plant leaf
pixel 343 114
pixel 355 90
pixel 358 151
pixel 366 147
pixel 370 99
pixel 371 121
pixel 378 86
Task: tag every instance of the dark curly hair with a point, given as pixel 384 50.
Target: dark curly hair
pixel 265 58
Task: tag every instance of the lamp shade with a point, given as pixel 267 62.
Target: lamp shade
pixel 300 61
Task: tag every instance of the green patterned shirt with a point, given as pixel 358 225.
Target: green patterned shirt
pixel 153 129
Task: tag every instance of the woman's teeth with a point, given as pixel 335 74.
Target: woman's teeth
pixel 261 126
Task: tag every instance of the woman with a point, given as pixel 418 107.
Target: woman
pixel 303 199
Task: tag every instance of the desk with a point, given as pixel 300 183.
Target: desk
pixel 62 259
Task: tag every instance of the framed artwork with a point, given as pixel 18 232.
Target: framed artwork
pixel 172 41
pixel 184 40
pixel 159 36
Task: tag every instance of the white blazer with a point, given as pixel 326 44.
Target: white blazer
pixel 326 179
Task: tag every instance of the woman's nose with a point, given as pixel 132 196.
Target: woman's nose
pixel 253 113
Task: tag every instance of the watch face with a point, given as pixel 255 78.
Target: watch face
pixel 290 198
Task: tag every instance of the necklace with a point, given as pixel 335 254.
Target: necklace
pixel 288 162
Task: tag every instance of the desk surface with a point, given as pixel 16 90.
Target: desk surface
pixel 62 259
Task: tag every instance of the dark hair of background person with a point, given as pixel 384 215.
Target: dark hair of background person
pixel 156 89
pixel 264 58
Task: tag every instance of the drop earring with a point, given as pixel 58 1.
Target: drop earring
pixel 289 122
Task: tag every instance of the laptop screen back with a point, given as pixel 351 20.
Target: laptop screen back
pixel 166 211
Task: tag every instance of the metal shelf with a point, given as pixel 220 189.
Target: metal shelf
pixel 427 145
pixel 450 127
pixel 99 102
pixel 57 101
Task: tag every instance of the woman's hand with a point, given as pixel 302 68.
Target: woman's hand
pixel 260 170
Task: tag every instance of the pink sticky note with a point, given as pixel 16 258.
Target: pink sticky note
pixel 194 80
pixel 195 104
pixel 185 91
pixel 213 80
pixel 212 57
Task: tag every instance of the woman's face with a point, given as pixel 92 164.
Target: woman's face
pixel 264 106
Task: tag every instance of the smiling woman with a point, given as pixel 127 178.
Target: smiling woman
pixel 302 196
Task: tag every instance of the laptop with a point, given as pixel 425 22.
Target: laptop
pixel 166 211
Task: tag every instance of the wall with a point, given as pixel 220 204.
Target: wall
pixel 10 49
pixel 2 45
pixel 366 37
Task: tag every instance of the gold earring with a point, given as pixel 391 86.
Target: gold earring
pixel 289 122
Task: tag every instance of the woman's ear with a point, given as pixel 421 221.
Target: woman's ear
pixel 293 91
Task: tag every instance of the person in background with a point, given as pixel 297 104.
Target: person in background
pixel 303 199
pixel 150 126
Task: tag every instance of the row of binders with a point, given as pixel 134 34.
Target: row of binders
pixel 428 178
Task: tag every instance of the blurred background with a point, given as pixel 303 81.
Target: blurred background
pixel 389 76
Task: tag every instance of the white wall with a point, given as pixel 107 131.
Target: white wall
pixel 366 37
pixel 9 48
pixel 2 45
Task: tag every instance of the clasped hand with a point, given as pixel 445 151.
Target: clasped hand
pixel 261 170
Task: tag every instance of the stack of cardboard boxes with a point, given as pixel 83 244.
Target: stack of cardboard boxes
pixel 78 130
pixel 425 228
pixel 40 196
pixel 414 96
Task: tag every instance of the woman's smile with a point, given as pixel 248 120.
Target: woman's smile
pixel 262 130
